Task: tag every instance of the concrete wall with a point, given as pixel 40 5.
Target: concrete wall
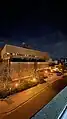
pixel 23 69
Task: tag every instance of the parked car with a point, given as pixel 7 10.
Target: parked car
pixel 42 81
pixel 59 73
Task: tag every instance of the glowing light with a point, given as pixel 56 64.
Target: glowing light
pixel 13 54
pixel 34 80
pixel 46 71
pixel 10 88
pixel 16 85
pixel 35 56
pixel 28 62
pixel 55 69
pixel 51 70
pixel 11 62
pixel 8 53
pixel 4 86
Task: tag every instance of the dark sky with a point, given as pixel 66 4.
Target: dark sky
pixel 42 24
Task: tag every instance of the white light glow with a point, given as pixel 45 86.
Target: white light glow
pixel 8 53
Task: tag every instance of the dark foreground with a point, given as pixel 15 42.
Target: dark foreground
pixel 33 105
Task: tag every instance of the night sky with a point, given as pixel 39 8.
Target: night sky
pixel 41 24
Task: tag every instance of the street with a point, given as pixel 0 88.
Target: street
pixel 25 104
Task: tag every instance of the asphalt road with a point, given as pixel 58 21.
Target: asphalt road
pixel 36 102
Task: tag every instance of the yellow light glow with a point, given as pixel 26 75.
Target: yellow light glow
pixel 55 69
pixel 10 88
pixel 51 70
pixel 46 71
pixel 34 80
pixel 16 85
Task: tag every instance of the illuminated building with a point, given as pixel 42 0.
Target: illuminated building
pixel 22 61
pixel 15 52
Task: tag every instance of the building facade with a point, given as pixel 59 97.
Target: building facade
pixel 23 62
pixel 14 51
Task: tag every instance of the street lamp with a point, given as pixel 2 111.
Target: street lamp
pixel 35 68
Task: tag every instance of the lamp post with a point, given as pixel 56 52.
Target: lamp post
pixel 35 68
pixel 8 63
pixel 8 67
pixel 19 72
